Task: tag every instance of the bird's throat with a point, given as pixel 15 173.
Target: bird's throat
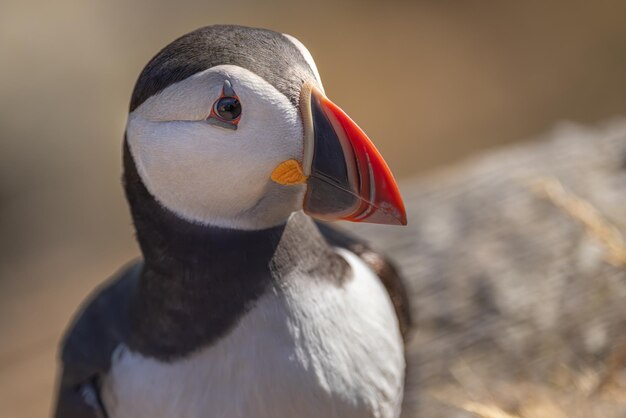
pixel 197 280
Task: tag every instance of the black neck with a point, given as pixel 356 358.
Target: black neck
pixel 198 280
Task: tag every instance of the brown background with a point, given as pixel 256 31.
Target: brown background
pixel 430 81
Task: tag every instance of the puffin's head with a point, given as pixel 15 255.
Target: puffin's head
pixel 229 126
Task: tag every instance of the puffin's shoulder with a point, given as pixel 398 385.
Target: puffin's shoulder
pixel 100 325
pixel 384 268
pixel 102 322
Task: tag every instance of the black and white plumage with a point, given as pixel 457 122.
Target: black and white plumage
pixel 242 306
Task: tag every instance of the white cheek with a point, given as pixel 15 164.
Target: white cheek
pixel 213 175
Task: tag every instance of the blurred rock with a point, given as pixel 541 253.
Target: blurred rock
pixel 511 283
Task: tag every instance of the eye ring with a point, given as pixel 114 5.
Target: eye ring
pixel 226 111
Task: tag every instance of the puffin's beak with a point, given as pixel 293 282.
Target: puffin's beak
pixel 346 176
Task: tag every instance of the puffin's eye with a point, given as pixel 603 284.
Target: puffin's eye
pixel 226 111
pixel 227 108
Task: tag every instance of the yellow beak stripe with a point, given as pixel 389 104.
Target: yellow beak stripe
pixel 288 173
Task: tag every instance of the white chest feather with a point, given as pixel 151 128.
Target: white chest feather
pixel 307 349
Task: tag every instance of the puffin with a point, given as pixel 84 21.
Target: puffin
pixel 245 301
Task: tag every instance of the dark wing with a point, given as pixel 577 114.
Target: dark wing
pixel 99 327
pixel 382 266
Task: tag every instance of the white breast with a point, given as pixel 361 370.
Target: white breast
pixel 309 348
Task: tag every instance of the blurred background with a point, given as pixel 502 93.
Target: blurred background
pixel 430 82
